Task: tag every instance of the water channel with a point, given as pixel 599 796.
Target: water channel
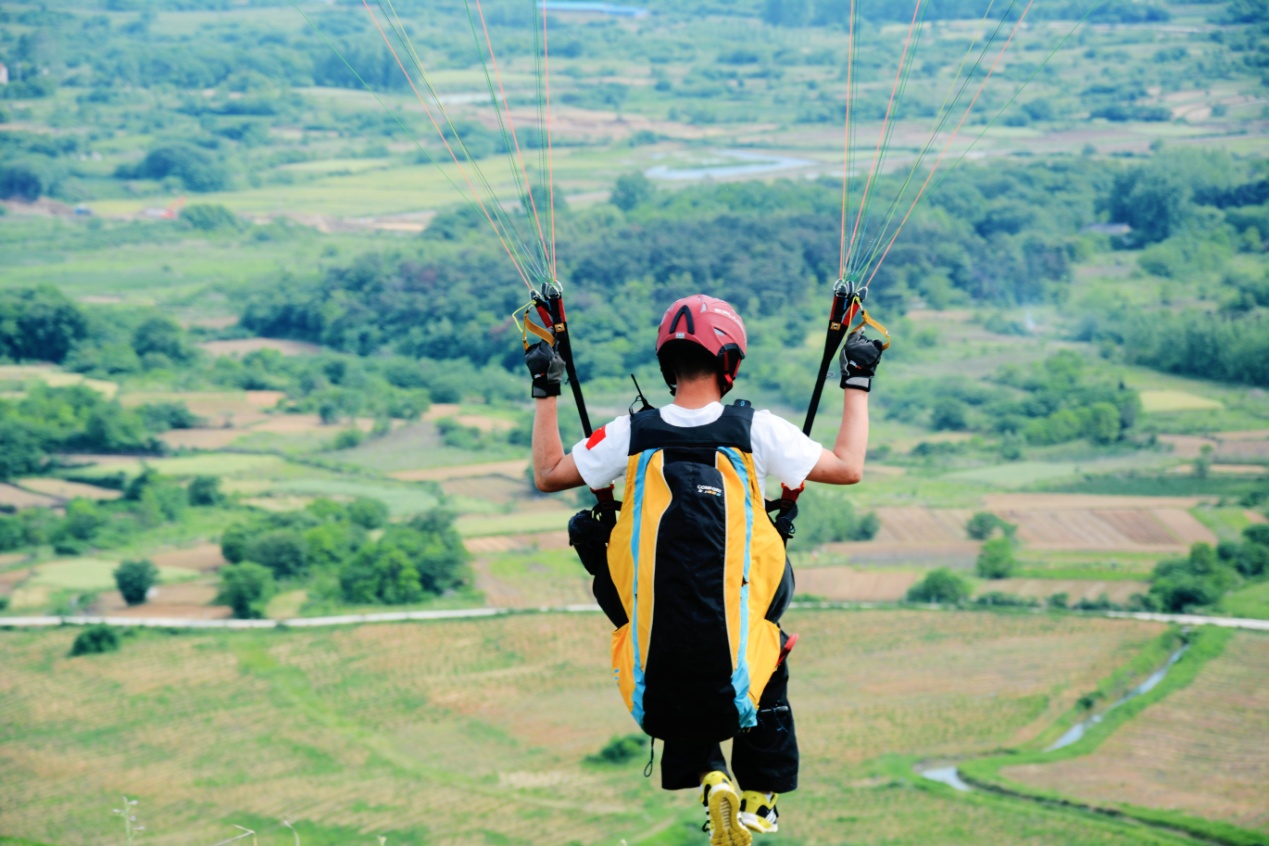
pixel 950 776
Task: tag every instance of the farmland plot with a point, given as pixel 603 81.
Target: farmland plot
pixel 426 733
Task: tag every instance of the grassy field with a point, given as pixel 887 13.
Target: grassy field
pixel 1200 751
pixel 427 733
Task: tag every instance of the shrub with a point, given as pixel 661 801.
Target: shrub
pixel 246 588
pixel 1057 600
pixel 209 217
pixel 998 599
pixel 349 438
pixel 95 640
pixel 983 524
pixel 163 416
pixel 1101 603
pixel 996 559
pixel 205 491
pixel 619 750
pixel 135 578
pixel 941 585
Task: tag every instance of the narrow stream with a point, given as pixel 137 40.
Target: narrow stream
pixel 950 776
pixel 749 164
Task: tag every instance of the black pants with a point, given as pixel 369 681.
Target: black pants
pixel 764 758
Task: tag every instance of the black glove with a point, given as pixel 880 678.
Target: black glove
pixel 547 369
pixel 860 356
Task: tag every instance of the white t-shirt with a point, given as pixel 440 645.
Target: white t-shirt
pixel 780 450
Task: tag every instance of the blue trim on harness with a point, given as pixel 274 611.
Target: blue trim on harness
pixel 640 684
pixel 740 676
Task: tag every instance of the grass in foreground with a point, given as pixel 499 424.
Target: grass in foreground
pixel 425 732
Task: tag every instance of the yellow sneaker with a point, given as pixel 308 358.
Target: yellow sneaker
pixel 722 803
pixel 758 812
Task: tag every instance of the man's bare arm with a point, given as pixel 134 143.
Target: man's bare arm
pixel 552 469
pixel 845 464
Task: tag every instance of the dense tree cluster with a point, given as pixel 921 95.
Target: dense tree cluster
pixel 1064 398
pixel 405 563
pixel 149 501
pixel 1203 577
pixel 72 419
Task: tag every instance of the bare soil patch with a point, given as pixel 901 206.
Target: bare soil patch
pixel 1055 501
pixel 184 601
pixel 243 346
pixel 915 525
pixel 1255 516
pixel 484 424
pixel 297 424
pixel 846 584
pixel 1187 446
pixel 1201 750
pixel 18 498
pixel 64 490
pixel 1185 526
pixel 204 558
pixel 500 489
pixel 13 578
pixel 959 554
pixel 440 410
pixel 513 469
pixel 265 399
pixel 494 544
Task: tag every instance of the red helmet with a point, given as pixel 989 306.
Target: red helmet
pixel 710 323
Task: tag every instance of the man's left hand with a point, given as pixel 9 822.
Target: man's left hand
pixel 547 369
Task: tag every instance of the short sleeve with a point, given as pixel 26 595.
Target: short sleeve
pixel 781 451
pixel 603 456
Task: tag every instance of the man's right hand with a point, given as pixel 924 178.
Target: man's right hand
pixel 547 369
pixel 859 360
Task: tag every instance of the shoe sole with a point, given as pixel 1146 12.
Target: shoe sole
pixel 757 824
pixel 724 820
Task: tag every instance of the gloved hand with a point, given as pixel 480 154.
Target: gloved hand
pixel 859 360
pixel 547 369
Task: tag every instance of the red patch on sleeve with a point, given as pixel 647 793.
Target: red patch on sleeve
pixel 598 435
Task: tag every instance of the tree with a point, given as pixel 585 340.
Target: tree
pixel 135 578
pixel 1153 199
pixel 246 588
pixel 984 524
pixel 1103 423
pixel 39 323
pixel 281 550
pixel 941 585
pixel 205 491
pixel 632 190
pixel 996 559
pixel 380 573
pixel 161 336
pixel 95 640
pixel 948 415
pixel 20 451
pixel 368 513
